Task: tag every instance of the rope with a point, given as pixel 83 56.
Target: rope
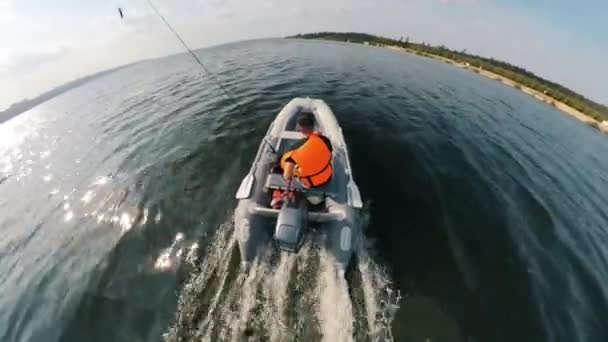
pixel 217 83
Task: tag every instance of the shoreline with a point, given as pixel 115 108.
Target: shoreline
pixel 601 126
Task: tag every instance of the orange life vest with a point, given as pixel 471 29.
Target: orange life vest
pixel 313 161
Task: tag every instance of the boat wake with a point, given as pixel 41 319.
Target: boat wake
pixel 283 296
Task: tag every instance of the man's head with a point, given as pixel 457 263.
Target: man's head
pixel 306 123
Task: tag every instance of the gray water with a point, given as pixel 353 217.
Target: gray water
pixel 485 209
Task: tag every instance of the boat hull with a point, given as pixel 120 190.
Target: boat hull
pixel 337 219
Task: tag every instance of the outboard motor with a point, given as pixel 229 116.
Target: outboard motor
pixel 291 223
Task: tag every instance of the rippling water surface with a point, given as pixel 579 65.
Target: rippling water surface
pixel 485 210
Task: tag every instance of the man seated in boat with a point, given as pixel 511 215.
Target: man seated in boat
pixel 309 160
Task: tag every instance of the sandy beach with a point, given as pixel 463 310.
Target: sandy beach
pixel 602 126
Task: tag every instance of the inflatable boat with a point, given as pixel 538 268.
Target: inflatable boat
pixel 259 226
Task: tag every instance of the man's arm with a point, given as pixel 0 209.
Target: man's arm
pixel 290 164
pixel 288 172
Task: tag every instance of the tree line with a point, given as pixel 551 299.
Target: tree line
pixel 515 73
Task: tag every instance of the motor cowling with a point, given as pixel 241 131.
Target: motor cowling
pixel 291 224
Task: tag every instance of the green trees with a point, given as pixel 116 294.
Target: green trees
pixel 515 73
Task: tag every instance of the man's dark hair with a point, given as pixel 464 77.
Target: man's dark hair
pixel 306 120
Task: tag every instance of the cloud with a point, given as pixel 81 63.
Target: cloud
pixel 66 45
pixel 459 2
pixel 29 60
pixel 7 15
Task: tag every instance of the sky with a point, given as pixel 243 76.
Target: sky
pixel 46 43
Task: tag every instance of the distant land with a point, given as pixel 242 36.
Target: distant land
pixel 586 110
pixel 593 113
pixel 27 104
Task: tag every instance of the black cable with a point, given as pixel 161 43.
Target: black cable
pixel 217 83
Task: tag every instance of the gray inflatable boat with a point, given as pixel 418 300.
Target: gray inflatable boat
pixel 336 217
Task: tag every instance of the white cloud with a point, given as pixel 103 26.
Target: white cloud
pixel 28 60
pixel 459 2
pixel 66 45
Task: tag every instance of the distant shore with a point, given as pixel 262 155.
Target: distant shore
pixel 27 104
pixel 602 126
pixel 568 101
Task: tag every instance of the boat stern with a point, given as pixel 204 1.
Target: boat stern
pixel 343 236
pixel 251 231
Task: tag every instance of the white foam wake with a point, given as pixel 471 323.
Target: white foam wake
pixel 335 307
pixel 381 301
pixel 277 290
pixel 284 297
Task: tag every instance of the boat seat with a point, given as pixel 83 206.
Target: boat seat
pixel 276 181
pixel 291 135
pixel 287 140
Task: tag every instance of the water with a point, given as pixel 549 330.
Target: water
pixel 485 209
